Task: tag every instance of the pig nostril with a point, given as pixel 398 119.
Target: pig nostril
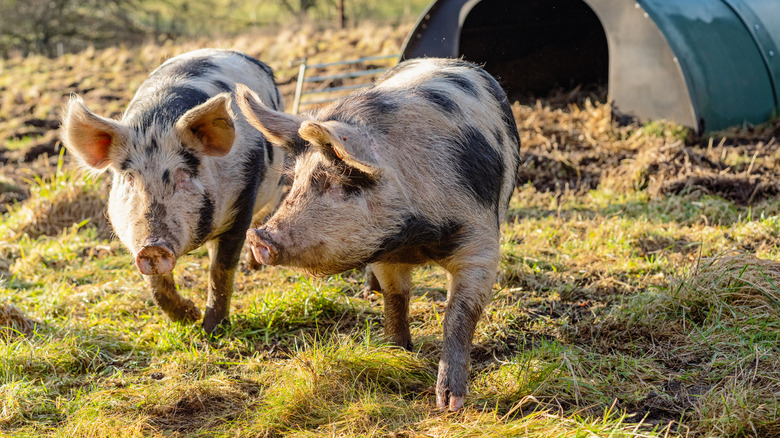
pixel 262 254
pixel 262 246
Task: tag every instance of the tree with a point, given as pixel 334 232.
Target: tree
pixel 39 26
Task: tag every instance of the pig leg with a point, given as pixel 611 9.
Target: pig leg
pixel 470 288
pixel 396 283
pixel 371 283
pixel 224 253
pixel 177 308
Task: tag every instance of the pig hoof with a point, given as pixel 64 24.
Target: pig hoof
pixel 449 401
pixel 187 313
pixel 191 312
pixel 215 327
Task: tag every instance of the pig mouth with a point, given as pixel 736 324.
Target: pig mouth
pixel 155 259
pixel 263 247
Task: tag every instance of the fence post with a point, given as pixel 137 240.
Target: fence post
pixel 299 86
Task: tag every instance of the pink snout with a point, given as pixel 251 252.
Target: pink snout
pixel 155 260
pixel 262 245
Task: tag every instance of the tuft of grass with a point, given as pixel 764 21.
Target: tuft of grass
pixel 343 383
pixel 666 129
pixel 59 201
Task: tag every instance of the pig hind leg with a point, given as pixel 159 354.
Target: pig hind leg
pixel 177 308
pixel 371 283
pixel 395 281
pixel 471 284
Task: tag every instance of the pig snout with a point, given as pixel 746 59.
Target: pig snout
pixel 263 246
pixel 155 259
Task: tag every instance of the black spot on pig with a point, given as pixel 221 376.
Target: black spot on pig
pixel 152 148
pixel 190 68
pixel 440 99
pixel 460 81
pixel 157 212
pixel 156 217
pixel 351 179
pixel 367 108
pixel 492 86
pixel 419 236
pixel 175 101
pixel 126 164
pixel 480 167
pixel 223 86
pixel 205 219
pixel 191 161
pixel 262 66
pixel 355 181
pixel 166 176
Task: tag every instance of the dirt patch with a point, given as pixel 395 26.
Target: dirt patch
pixel 742 190
pixel 195 410
pixel 669 406
pixel 579 147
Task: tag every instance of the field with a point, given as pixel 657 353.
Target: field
pixel 638 294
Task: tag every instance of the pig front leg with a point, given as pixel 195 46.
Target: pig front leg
pixel 178 308
pixel 471 285
pixel 395 281
pixel 224 253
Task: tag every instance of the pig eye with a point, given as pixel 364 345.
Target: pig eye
pixel 331 187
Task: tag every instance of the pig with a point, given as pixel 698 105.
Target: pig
pixel 418 168
pixel 187 170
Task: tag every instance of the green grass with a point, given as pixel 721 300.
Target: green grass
pixel 619 311
pixel 587 335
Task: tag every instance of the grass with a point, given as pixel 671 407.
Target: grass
pixel 625 306
pixel 588 335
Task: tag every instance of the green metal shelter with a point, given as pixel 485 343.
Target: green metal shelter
pixel 705 64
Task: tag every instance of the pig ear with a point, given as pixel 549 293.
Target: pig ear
pixel 208 127
pixel 90 137
pixel 348 143
pixel 277 127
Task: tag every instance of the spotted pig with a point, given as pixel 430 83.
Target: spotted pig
pixel 187 170
pixel 418 168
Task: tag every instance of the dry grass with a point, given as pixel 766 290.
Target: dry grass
pixel 14 323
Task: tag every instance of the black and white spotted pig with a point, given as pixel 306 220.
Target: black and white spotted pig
pixel 187 170
pixel 420 167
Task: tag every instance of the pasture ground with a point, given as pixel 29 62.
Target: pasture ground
pixel 637 294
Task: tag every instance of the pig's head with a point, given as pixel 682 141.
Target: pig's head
pixel 328 222
pixel 158 205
